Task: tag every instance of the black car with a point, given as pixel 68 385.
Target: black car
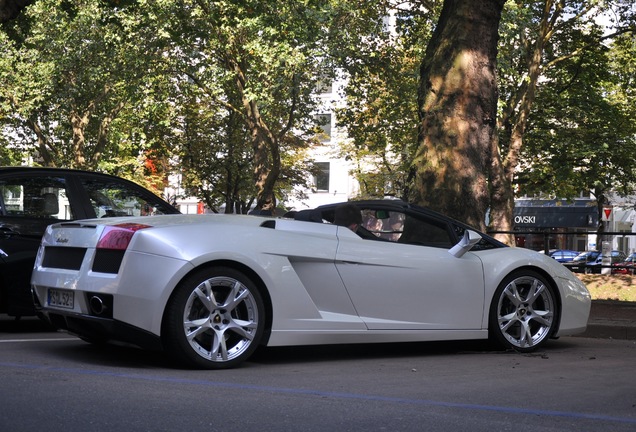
pixel 592 261
pixel 33 198
pixel 563 255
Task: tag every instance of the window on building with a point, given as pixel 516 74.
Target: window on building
pixel 323 122
pixel 321 176
pixel 386 23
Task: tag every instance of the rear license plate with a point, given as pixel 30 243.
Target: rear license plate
pixel 61 298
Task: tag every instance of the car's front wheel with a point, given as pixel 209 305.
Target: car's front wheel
pixel 214 320
pixel 524 311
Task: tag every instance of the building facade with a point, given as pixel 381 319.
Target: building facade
pixel 573 224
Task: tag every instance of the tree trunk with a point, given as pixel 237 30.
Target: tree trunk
pixel 502 199
pixel 48 159
pixel 502 173
pixel 103 134
pixel 457 104
pixel 78 125
pixel 266 168
pixel 267 163
pixel 601 202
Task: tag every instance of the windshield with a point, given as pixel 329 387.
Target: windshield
pixel 587 256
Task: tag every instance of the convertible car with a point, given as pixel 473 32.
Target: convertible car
pixel 210 289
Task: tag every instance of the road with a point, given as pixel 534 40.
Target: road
pixel 55 382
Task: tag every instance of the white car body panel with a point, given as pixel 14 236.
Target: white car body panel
pixel 576 301
pixel 379 276
pixel 324 283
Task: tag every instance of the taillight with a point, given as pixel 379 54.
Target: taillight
pixel 118 236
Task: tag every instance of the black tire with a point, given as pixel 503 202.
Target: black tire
pixel 524 312
pixel 214 319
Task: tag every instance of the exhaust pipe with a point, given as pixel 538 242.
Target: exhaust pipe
pixel 96 305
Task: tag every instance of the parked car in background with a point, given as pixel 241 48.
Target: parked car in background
pixel 221 285
pixel 592 261
pixel 625 267
pixel 580 262
pixel 563 255
pixel 33 198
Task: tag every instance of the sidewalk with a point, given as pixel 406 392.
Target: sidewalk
pixel 611 319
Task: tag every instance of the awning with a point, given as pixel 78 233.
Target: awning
pixel 555 217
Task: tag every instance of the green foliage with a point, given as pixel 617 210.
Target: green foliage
pixel 72 70
pixel 9 155
pixel 380 114
pixel 244 76
pixel 570 105
pixel 144 88
pixel 582 133
pixel 131 87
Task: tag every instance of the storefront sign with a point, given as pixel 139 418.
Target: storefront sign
pixel 555 217
pixel 525 220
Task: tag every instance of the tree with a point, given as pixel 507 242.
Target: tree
pixel 70 71
pixel 457 103
pixel 582 134
pixel 122 86
pixel 531 29
pixel 537 37
pixel 260 62
pixel 379 45
pixel 114 84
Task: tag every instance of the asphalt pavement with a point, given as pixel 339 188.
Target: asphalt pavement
pixel 610 319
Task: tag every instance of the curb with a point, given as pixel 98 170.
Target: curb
pixel 611 319
pixel 609 330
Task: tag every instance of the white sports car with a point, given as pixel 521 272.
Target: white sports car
pixel 209 289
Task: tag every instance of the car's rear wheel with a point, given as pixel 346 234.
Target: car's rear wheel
pixel 214 320
pixel 524 311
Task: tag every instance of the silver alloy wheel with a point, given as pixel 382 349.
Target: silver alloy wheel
pixel 220 319
pixel 525 312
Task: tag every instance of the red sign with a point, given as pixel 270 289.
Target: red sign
pixel 607 213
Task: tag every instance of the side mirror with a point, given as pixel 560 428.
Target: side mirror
pixel 470 239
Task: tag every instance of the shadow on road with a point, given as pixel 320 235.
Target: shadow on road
pixel 114 355
pixel 10 324
pixel 320 353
